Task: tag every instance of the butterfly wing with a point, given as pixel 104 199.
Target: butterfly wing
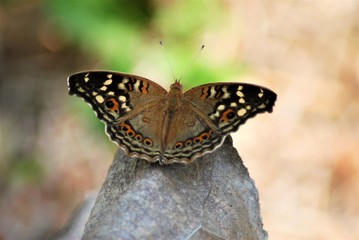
pixel 229 105
pixel 126 103
pixel 216 110
pixel 188 136
pixel 113 95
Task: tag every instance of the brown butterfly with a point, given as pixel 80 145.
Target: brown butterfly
pixel 150 123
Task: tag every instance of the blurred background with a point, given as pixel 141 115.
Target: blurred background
pixel 303 157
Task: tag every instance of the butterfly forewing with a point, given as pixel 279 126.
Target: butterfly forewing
pixel 229 105
pixel 113 95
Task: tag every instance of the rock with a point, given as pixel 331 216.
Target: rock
pixel 75 226
pixel 212 198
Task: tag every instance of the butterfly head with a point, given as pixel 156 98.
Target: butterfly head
pixel 177 86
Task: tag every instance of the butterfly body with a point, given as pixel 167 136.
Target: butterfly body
pixel 150 123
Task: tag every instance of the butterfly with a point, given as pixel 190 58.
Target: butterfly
pixel 148 122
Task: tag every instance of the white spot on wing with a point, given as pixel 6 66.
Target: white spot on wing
pixel 240 94
pixel 87 77
pixel 260 94
pixel 122 98
pixel 124 106
pixel 241 112
pixel 137 86
pixel 221 107
pixel 225 93
pixel 214 115
pixel 121 86
pixel 99 99
pixel 262 106
pixel 108 82
pixel 213 92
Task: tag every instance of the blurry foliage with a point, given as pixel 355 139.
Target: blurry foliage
pixel 107 28
pixel 26 171
pixel 119 32
pixel 89 121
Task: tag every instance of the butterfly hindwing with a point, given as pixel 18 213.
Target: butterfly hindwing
pixel 141 135
pixel 194 136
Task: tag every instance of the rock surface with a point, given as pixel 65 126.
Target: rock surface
pixel 74 228
pixel 212 198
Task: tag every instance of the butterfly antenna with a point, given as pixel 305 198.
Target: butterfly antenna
pixel 193 60
pixel 168 62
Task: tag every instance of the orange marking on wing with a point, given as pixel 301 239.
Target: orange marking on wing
pixel 197 139
pixel 178 145
pixel 224 117
pixel 148 142
pixel 144 89
pixel 204 136
pixel 204 93
pixel 115 107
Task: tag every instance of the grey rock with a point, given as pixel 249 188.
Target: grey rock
pixel 212 198
pixel 75 226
